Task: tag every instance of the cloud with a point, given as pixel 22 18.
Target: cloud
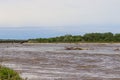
pixel 59 12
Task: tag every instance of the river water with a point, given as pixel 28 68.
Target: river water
pixel 97 61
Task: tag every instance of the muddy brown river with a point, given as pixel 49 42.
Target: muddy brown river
pixel 97 61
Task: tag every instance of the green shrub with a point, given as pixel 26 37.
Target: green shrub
pixel 8 74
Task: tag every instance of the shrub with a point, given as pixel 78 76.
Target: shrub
pixel 8 74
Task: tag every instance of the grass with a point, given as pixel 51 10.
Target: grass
pixel 8 74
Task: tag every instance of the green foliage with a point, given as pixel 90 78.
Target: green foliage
pixel 99 37
pixel 117 37
pixel 64 39
pixel 88 37
pixel 8 74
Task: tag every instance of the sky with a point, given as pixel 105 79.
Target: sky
pixel 57 17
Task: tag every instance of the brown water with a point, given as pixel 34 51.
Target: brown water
pixel 53 62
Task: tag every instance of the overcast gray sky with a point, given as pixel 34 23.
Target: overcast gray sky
pixel 52 13
pixel 45 18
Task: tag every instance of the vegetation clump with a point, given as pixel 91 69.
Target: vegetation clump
pixel 8 74
pixel 88 37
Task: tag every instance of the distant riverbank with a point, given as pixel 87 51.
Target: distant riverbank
pixel 86 38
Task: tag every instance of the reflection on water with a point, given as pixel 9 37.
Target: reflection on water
pixel 53 62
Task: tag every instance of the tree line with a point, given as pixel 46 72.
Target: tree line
pixel 88 37
pixel 12 41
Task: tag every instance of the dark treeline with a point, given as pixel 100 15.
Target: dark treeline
pixel 12 41
pixel 88 37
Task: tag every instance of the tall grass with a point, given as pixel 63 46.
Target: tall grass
pixel 8 74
